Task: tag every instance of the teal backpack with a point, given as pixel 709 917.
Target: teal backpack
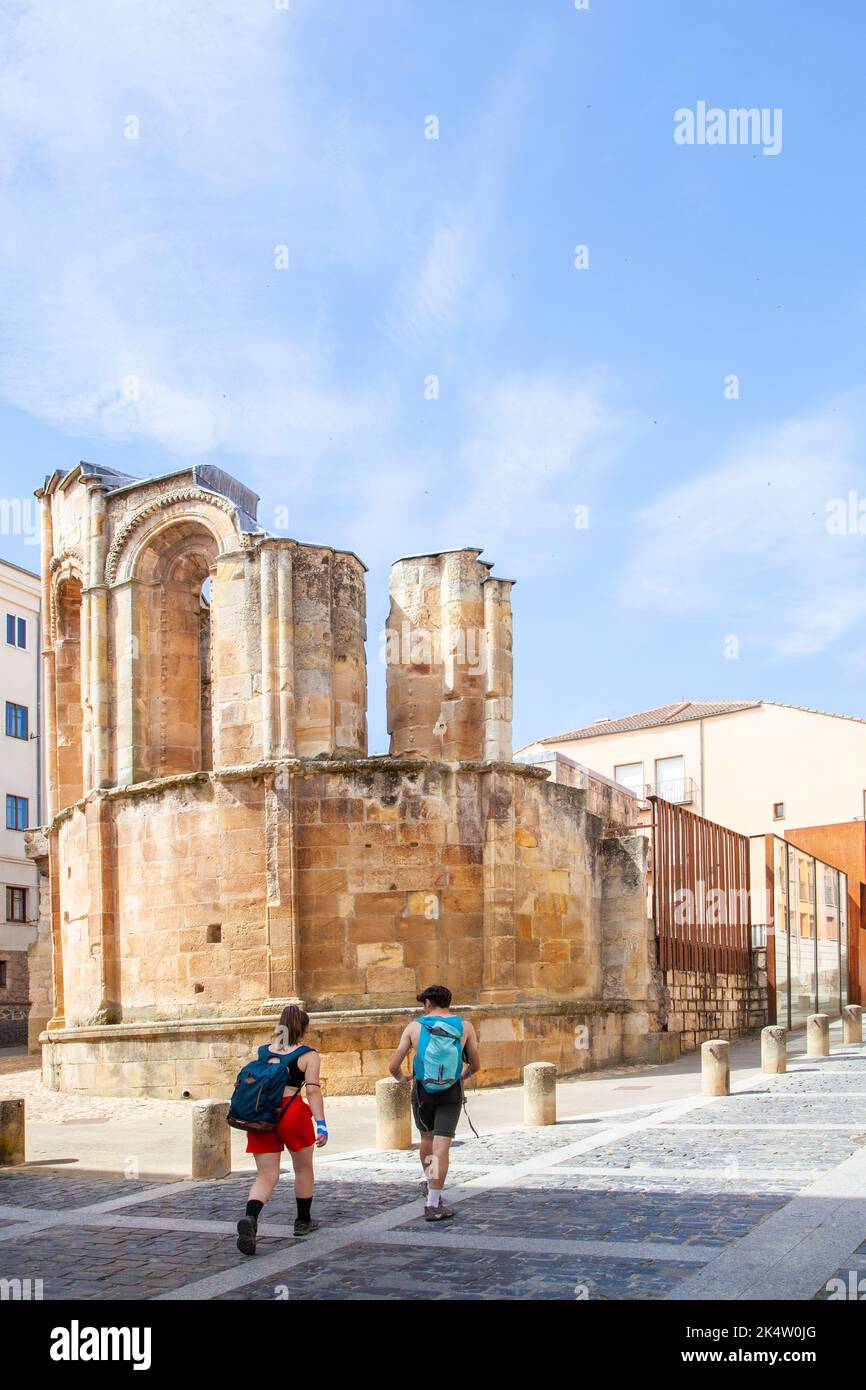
pixel 439 1059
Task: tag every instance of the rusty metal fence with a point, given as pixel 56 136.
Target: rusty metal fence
pixel 700 892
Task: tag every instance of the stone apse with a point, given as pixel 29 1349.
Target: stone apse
pixel 220 843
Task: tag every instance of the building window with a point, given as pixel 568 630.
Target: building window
pixel 778 810
pixel 16 631
pixel 630 775
pixel 17 813
pixel 16 904
pixel 2 974
pixel 671 779
pixel 16 720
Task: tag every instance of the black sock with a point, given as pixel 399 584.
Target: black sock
pixel 254 1209
pixel 304 1205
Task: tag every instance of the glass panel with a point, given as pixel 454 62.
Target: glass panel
pixel 829 1000
pixel 843 937
pixel 801 926
pixel 780 917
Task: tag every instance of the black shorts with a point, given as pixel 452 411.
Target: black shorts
pixel 437 1112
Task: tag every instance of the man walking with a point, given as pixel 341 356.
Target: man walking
pixel 446 1053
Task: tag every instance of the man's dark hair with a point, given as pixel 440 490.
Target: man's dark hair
pixel 438 995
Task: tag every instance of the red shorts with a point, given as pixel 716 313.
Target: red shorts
pixel 295 1131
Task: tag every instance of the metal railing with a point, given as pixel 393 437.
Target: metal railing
pixel 682 792
pixel 700 892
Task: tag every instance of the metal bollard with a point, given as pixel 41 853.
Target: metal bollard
pixel 852 1023
pixel 774 1049
pixel 716 1067
pixel 818 1035
pixel 539 1093
pixel 211 1139
pixel 393 1113
pixel 11 1132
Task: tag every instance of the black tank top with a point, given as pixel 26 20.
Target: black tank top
pixel 294 1075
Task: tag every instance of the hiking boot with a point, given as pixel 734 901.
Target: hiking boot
pixel 439 1213
pixel 304 1228
pixel 247 1231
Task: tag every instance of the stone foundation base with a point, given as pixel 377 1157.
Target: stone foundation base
pixel 201 1058
pixel 704 1005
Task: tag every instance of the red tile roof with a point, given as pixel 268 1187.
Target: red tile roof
pixel 679 713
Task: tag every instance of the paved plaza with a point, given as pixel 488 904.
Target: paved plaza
pixel 759 1195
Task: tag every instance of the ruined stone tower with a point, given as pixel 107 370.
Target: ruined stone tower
pixel 219 842
pixel 450 684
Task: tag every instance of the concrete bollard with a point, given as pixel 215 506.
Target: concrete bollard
pixel 818 1035
pixel 211 1139
pixel 774 1049
pixel 539 1093
pixel 852 1023
pixel 393 1113
pixel 716 1067
pixel 11 1132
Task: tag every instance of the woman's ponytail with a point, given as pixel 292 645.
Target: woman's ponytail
pixel 292 1026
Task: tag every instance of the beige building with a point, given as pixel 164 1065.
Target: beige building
pixel 753 765
pixel 20 785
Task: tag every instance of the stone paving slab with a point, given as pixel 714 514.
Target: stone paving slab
pixel 501 1146
pixel 96 1262
pixel 574 1212
pixel 749 1148
pixel 337 1202
pixel 369 1271
pixel 779 1109
pixel 22 1187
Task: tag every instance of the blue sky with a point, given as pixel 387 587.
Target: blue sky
pixel 259 127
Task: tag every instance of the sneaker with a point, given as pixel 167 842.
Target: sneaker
pixel 303 1228
pixel 439 1213
pixel 247 1231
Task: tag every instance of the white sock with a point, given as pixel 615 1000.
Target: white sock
pixel 434 1196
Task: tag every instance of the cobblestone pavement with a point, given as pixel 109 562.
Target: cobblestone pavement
pixel 649 1203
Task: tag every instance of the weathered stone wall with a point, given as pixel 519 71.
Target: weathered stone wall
pixel 14 999
pixel 201 1058
pixel 349 885
pixel 39 954
pixel 627 938
pixel 615 805
pixel 704 1005
pixel 488 878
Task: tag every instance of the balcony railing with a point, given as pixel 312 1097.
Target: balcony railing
pixel 682 792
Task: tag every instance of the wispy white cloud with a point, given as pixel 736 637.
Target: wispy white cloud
pixel 140 296
pixel 746 542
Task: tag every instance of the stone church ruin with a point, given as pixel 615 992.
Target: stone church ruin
pixel 219 842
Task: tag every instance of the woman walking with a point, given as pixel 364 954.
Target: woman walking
pixel 301 1129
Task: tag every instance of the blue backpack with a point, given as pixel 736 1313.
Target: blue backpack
pixel 439 1059
pixel 257 1100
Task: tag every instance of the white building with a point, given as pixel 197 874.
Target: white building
pixel 21 788
pixel 752 765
